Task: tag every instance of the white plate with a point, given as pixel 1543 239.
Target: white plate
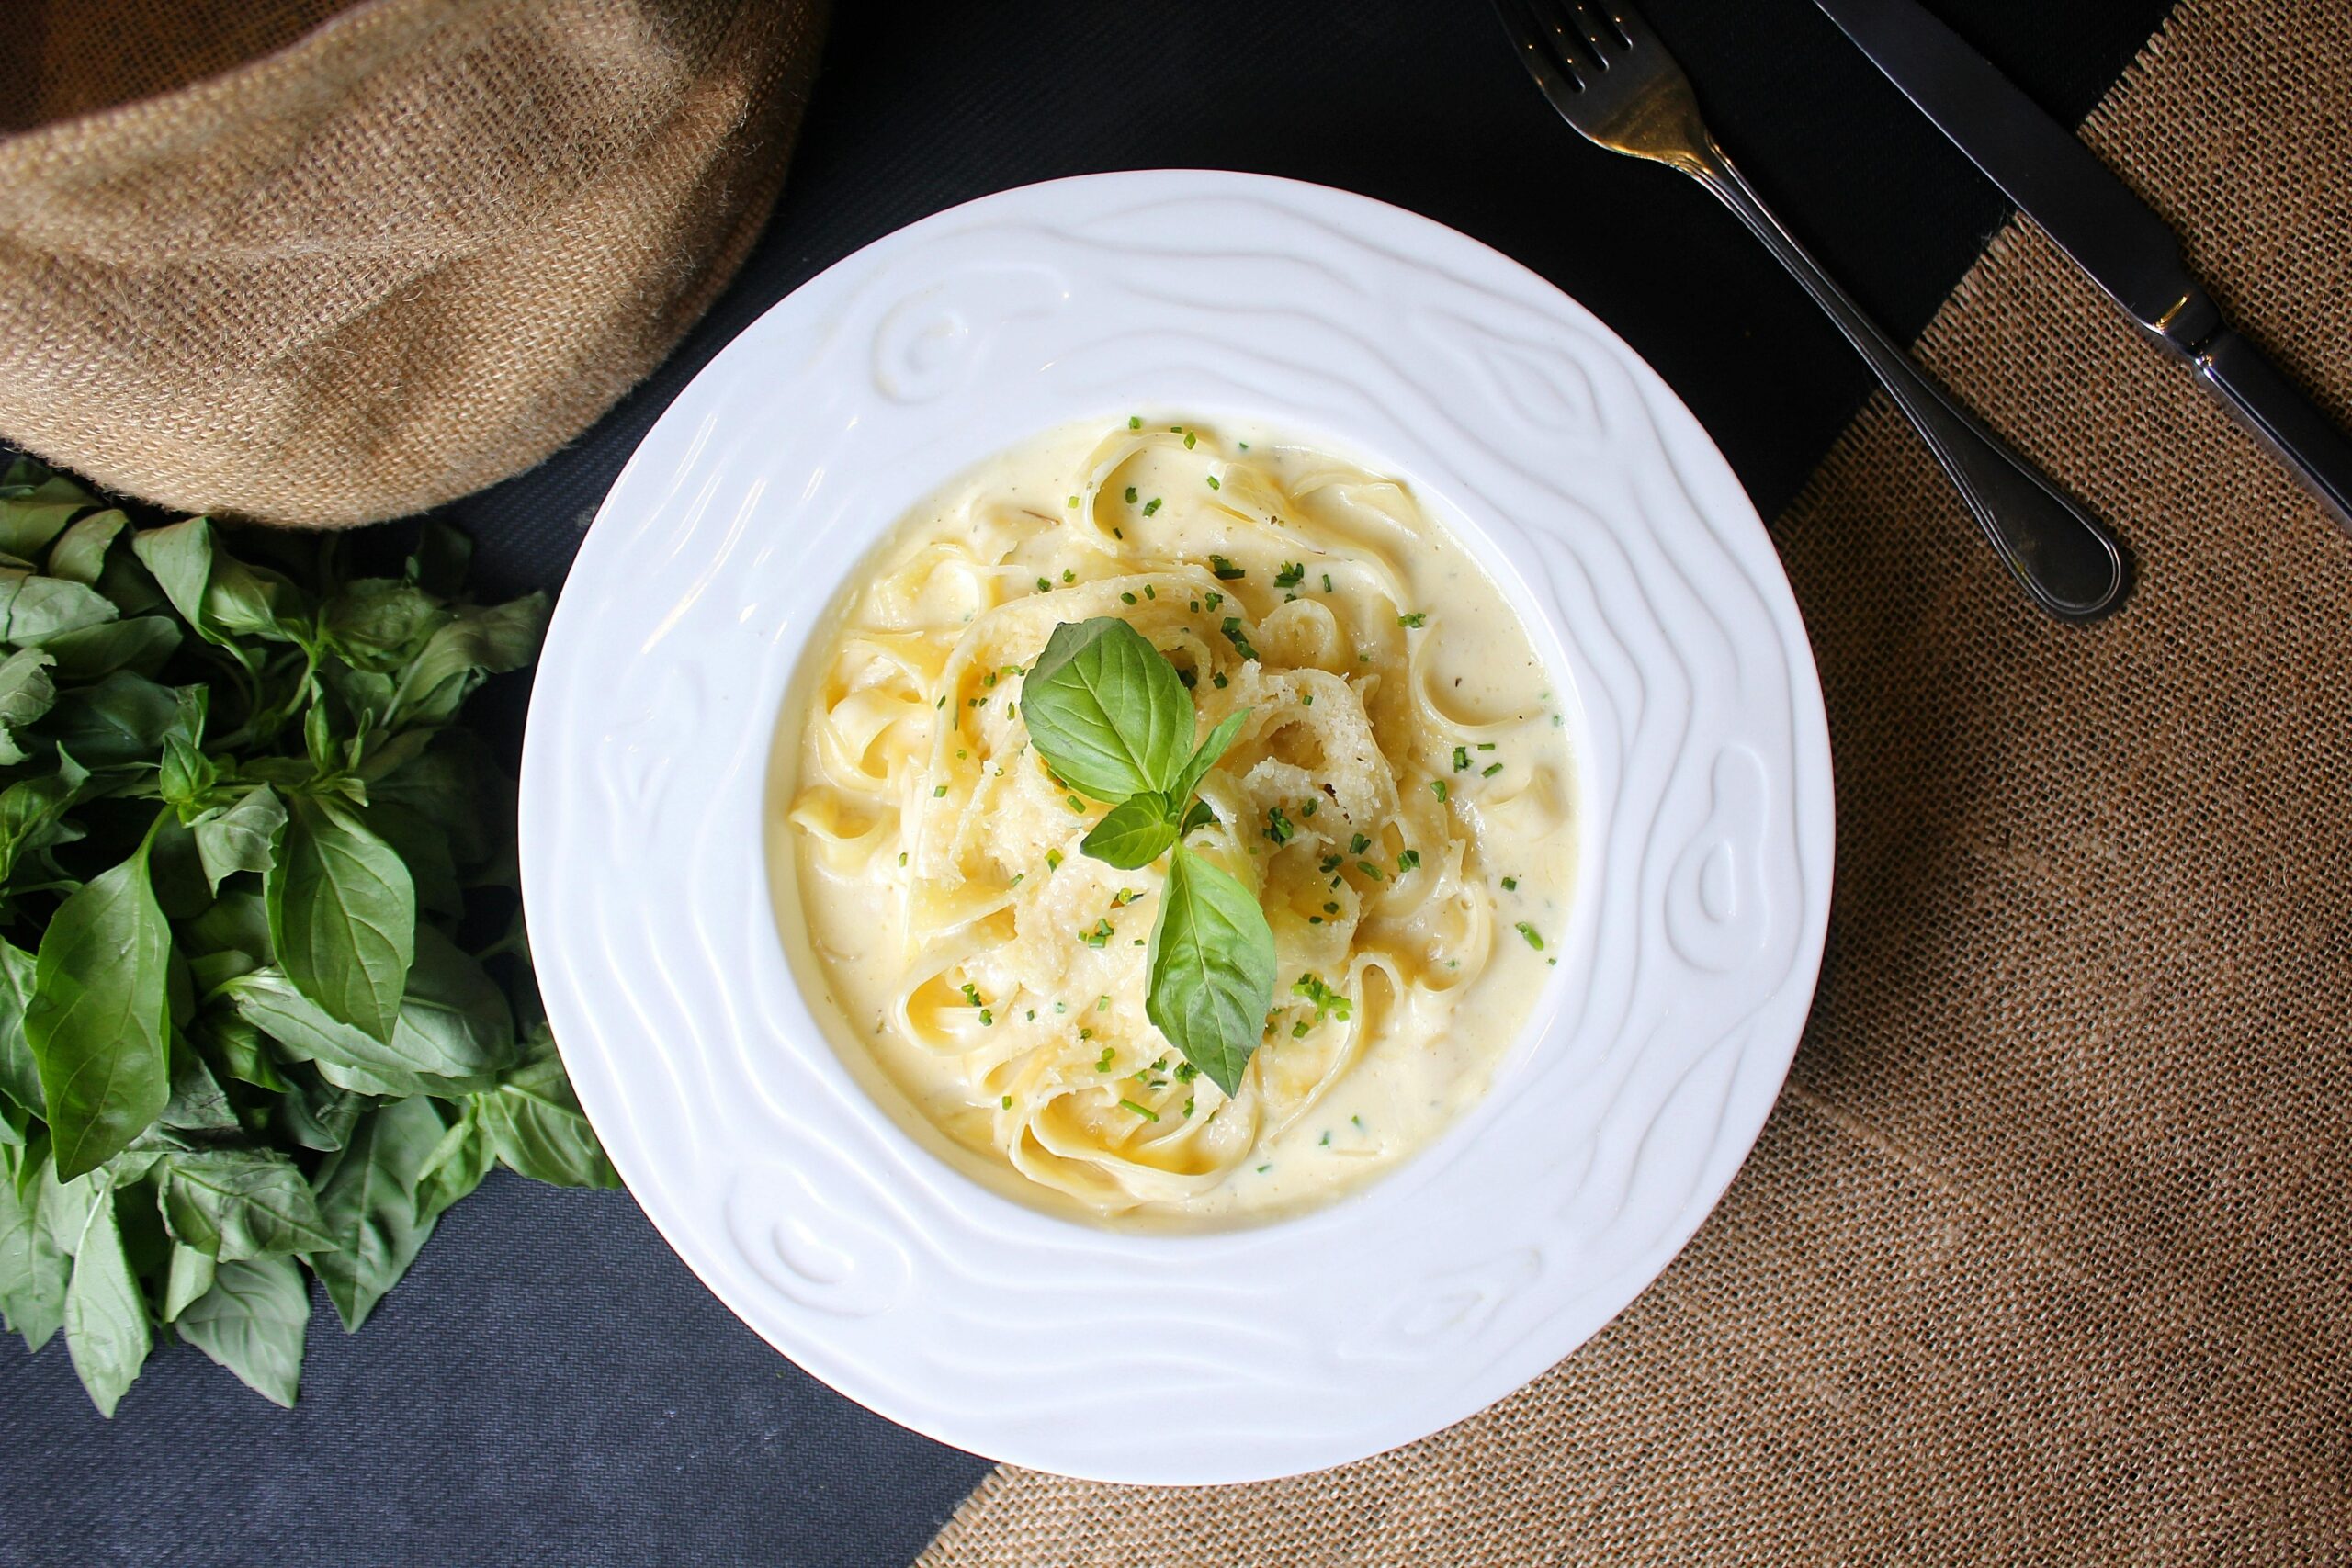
pixel 1704 771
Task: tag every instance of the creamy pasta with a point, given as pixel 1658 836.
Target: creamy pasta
pixel 1400 798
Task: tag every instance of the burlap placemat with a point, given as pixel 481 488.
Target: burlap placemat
pixel 2047 1253
pixel 324 262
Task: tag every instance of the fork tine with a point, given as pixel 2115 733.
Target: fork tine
pixel 1599 33
pixel 1544 50
pixel 1629 23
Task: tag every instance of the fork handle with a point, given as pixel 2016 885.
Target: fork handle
pixel 2066 562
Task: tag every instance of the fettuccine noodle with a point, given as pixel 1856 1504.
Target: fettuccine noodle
pixel 1399 799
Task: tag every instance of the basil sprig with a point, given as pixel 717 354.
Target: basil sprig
pixel 253 877
pixel 1109 714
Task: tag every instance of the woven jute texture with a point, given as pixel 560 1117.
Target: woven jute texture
pixel 2046 1254
pixel 322 263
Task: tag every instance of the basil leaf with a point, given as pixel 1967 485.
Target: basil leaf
pixel 318 1115
pixel 189 1276
pixel 1137 832
pixel 33 1261
pixel 97 1016
pixel 141 644
pixel 1211 967
pixel 25 693
pixel 1106 711
pixel 233 1203
pixel 478 644
pixel 198 1103
pixel 368 1198
pixel 1204 756
pixel 342 916
pixel 19 1070
pixel 106 1318
pixel 33 609
pixel 30 520
pixel 377 623
pixel 537 1128
pixel 216 594
pixel 1200 815
pixel 80 554
pixel 253 1321
pixel 244 837
pixel 457 1165
pixel 120 720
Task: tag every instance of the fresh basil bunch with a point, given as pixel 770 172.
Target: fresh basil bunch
pixel 248 1021
pixel 1110 716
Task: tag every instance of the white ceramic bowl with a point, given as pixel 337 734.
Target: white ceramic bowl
pixel 1703 760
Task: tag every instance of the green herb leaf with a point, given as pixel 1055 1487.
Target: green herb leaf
pixel 105 1319
pixel 242 837
pixel 252 1322
pixel 535 1124
pixel 236 1203
pixel 1137 832
pixel 452 1034
pixel 1106 711
pixel 1204 756
pixel 1211 967
pixel 457 1165
pixel 80 554
pixel 141 644
pixel 97 1016
pixel 367 1193
pixel 34 1264
pixel 343 915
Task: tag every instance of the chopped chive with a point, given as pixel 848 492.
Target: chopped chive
pixel 1278 826
pixel 1290 574
pixel 1298 1030
pixel 1044 586
pixel 1330 863
pixel 1068 575
pixel 1151 506
pixel 1307 701
pixel 1189 440
pixel 1330 908
pixel 1104 931
pixel 1117 535
pixel 1407 861
pixel 1131 495
pixel 1134 422
pixel 1102 1063
pixel 1060 1007
pixel 1215 599
pixel 1325 1140
pixel 1144 1111
pixel 1308 809
pixel 1437 788
pixel 1224 569
pixel 1486 745
pixel 1326 583
pixel 988 1018
pixel 942 702
pixel 1358 844
pixel 938 792
pixel 1534 938
pixel 1071 502
pixel 1212 484
pixel 1075 804
pixel 1217 680
pixel 1237 638
pixel 1005 1103
pixel 1102 1004
pixel 1358 1121
pixel 1491 770
pixel 902 857
pixel 1188 1103
pixel 1053 860
pixel 1510 883
pixel 1150 592
pixel 1461 757
pixel 1372 870
pixel 1416 619
pixel 1126 598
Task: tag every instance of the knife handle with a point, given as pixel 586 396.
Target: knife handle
pixel 2281 418
pixel 2065 562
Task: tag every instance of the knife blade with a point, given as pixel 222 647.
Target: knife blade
pixel 2105 228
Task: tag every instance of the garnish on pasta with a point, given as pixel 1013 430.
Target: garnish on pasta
pixel 1126 849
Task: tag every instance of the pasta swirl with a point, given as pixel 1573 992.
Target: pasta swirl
pixel 1001 973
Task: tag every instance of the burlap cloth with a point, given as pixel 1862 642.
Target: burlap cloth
pixel 2046 1254
pixel 329 261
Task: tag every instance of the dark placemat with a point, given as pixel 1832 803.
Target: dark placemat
pixel 551 1385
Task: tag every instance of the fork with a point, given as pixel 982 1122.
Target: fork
pixel 1611 79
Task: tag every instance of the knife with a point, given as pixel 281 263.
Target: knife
pixel 2109 232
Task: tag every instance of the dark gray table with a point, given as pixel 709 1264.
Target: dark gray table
pixel 550 1385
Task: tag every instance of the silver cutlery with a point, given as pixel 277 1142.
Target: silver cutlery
pixel 2105 228
pixel 1611 78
